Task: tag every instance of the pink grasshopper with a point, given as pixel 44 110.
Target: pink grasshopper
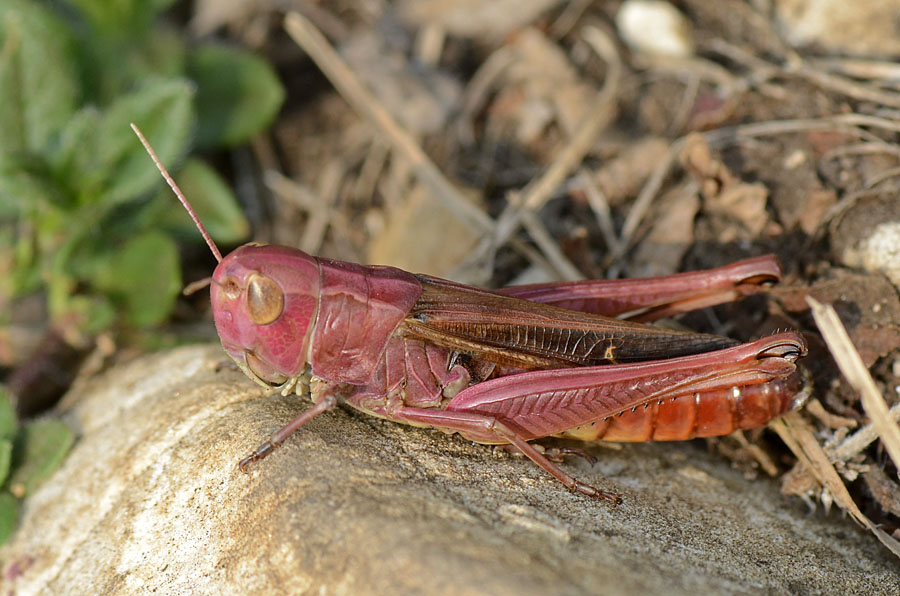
pixel 500 367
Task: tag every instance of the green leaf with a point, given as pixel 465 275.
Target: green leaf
pixel 238 94
pixel 76 157
pixel 164 112
pixel 144 275
pixel 9 513
pixel 23 272
pixel 163 54
pixel 91 314
pixel 211 198
pixel 115 62
pixel 39 450
pixel 39 87
pixel 6 447
pixel 122 17
pixel 27 186
pixel 8 420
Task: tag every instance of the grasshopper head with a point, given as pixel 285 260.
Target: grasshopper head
pixel 265 300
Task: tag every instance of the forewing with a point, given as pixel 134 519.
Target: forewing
pixel 531 335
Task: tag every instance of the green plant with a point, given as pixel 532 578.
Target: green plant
pixel 79 220
pixel 29 454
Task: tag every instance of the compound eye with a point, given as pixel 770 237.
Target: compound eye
pixel 265 300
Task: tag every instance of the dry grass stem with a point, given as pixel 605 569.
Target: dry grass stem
pixel 799 437
pixel 340 75
pixel 540 190
pixel 856 373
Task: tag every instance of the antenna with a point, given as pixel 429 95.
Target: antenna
pixel 178 193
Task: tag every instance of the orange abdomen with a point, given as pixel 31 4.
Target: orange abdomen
pixel 707 414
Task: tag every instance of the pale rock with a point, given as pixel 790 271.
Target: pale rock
pixel 150 501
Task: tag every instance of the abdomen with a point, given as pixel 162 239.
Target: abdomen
pixel 707 414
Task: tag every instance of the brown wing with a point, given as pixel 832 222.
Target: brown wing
pixel 530 335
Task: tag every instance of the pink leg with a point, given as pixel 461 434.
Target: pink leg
pixel 327 402
pixel 554 454
pixel 547 402
pixel 493 430
pixel 656 297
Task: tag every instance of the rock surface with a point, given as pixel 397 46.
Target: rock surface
pixel 151 501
